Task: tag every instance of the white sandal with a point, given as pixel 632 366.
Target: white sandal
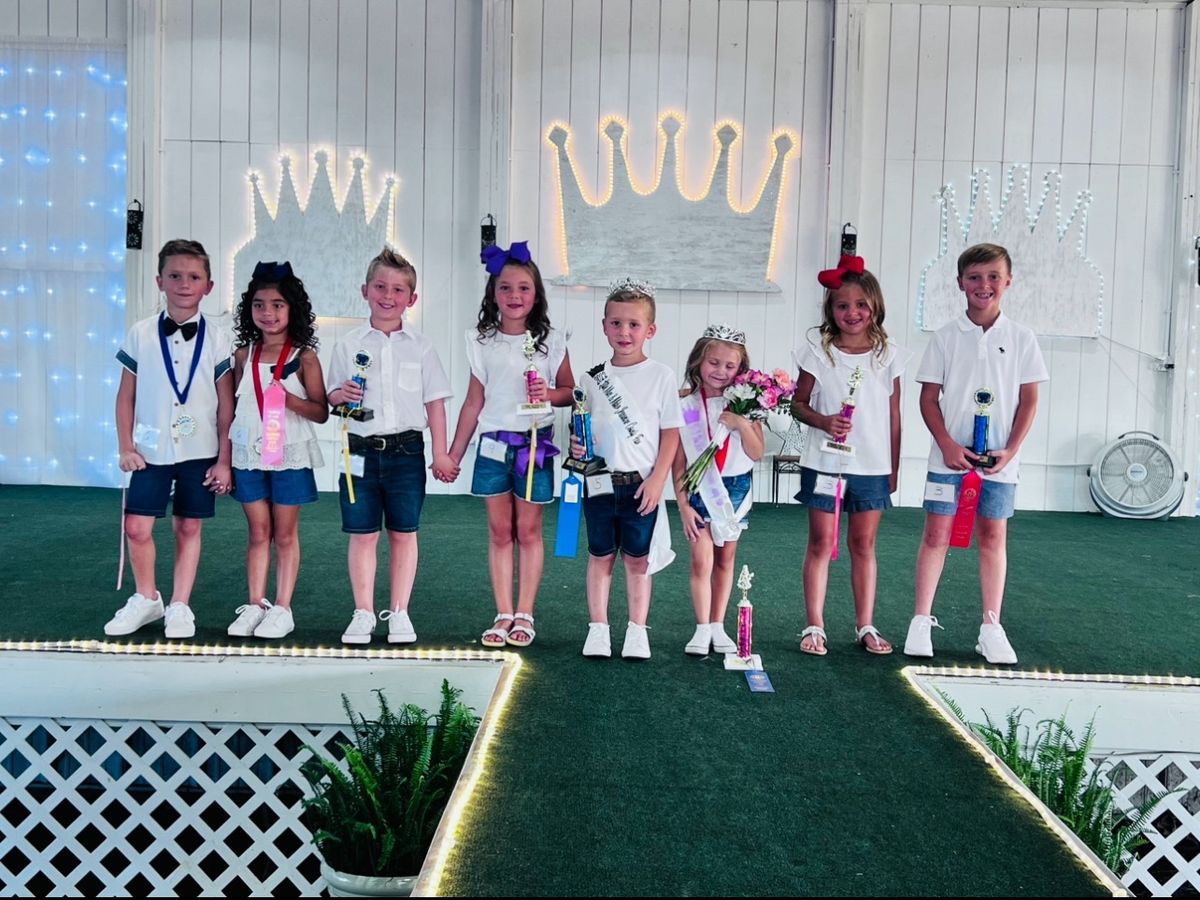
pixel 497 637
pixel 871 630
pixel 814 631
pixel 521 629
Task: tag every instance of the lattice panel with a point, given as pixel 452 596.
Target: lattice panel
pixel 113 809
pixel 1171 865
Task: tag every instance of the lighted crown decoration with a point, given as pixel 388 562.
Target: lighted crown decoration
pixel 328 247
pixel 1056 289
pixel 677 242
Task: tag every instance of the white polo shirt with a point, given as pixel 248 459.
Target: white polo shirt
pixel 156 407
pixel 499 362
pixel 871 432
pixel 963 358
pixel 405 373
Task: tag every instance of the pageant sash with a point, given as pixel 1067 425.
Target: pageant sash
pixel 726 524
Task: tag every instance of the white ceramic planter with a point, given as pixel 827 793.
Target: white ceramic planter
pixel 342 885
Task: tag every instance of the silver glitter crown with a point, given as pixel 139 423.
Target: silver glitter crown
pixel 726 333
pixel 634 285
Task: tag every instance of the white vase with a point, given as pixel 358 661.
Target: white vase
pixel 341 884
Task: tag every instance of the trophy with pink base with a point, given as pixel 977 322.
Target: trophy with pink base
pixel 838 445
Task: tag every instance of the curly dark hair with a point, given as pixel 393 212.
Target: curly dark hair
pixel 301 319
pixel 538 320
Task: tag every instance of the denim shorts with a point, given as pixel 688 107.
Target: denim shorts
pixel 493 478
pixel 391 488
pixel 738 487
pixel 613 523
pixel 150 488
pixel 860 493
pixel 996 500
pixel 283 487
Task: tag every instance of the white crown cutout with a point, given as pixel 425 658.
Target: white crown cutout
pixel 328 248
pixel 1056 290
pixel 674 241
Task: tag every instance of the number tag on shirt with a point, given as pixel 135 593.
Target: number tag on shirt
pixel 826 485
pixel 939 493
pixel 490 448
pixel 145 436
pixel 570 492
pixel 239 435
pixel 599 485
pixel 357 465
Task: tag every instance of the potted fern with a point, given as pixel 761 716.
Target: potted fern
pixel 373 817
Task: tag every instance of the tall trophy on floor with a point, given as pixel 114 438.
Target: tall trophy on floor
pixel 353 409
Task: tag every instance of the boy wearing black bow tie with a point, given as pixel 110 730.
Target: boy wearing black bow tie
pixel 174 408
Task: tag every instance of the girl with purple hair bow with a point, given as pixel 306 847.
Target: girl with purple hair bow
pixel 518 360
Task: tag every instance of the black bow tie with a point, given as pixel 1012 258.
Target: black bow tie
pixel 188 329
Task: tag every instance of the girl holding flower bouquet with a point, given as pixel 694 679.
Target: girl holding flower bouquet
pixel 847 368
pixel 719 444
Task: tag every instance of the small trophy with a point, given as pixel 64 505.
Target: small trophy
pixel 984 398
pixel 838 444
pixel 354 409
pixel 529 408
pixel 744 659
pixel 581 426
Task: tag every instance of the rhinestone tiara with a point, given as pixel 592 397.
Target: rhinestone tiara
pixel 726 333
pixel 634 285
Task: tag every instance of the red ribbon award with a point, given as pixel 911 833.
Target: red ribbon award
pixel 968 505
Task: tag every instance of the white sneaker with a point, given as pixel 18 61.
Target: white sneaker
pixel 700 642
pixel 920 636
pixel 248 618
pixel 136 612
pixel 400 628
pixel 599 641
pixel 722 643
pixel 179 621
pixel 637 642
pixel 360 629
pixel 993 643
pixel 277 622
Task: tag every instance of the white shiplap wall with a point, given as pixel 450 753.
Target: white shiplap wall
pixel 1092 91
pixel 394 81
pixel 88 20
pixel 762 63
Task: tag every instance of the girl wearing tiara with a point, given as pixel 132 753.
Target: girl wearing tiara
pixel 848 365
pixel 517 360
pixel 715 361
pixel 277 348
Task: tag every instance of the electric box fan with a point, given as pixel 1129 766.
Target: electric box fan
pixel 1137 477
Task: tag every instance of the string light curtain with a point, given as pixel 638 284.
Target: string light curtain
pixel 63 127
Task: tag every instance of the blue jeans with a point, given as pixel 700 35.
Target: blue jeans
pixel 996 500
pixel 613 523
pixel 392 487
pixel 150 488
pixel 283 487
pixel 493 478
pixel 860 493
pixel 738 487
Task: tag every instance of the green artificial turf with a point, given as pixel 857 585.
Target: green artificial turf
pixel 668 776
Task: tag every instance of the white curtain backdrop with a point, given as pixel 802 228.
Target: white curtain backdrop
pixel 62 259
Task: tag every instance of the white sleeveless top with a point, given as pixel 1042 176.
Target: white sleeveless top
pixel 300 450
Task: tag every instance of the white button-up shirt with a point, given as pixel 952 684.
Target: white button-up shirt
pixel 156 407
pixel 404 374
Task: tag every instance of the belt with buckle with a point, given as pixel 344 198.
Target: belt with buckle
pixel 383 443
pixel 626 477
